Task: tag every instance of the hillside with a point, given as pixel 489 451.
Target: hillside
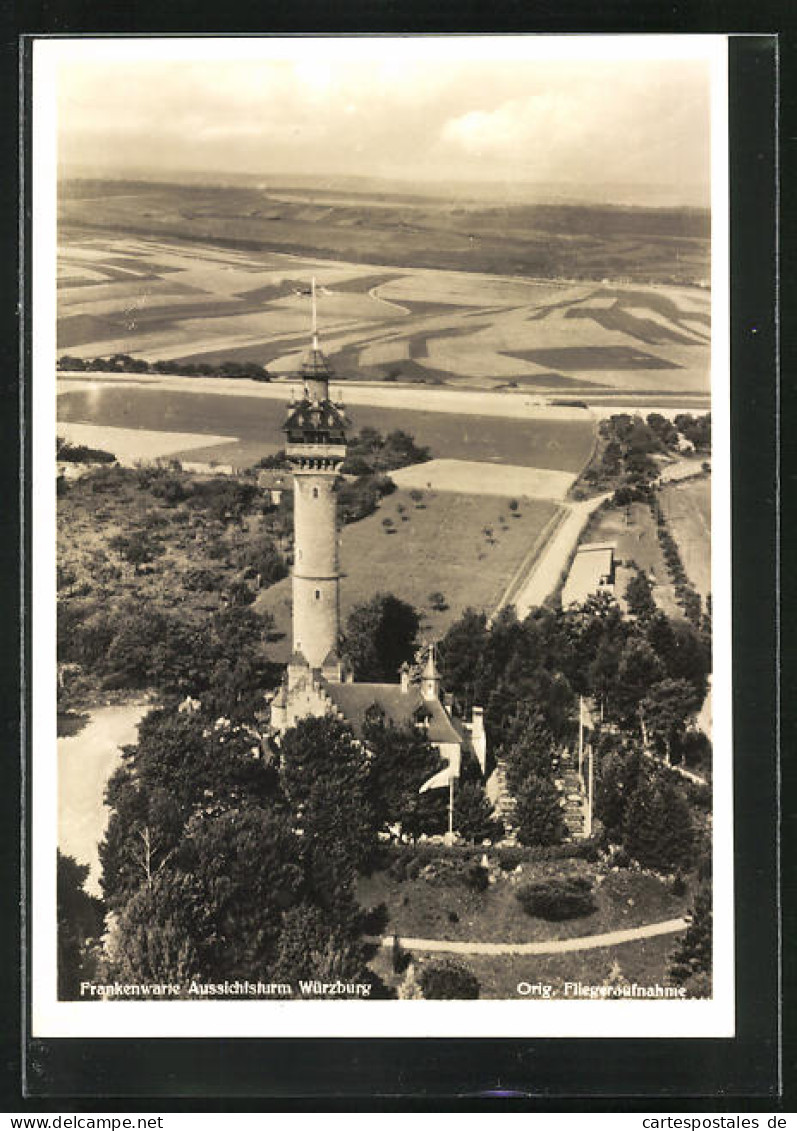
pixel 544 240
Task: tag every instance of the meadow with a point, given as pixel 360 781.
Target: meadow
pixel 436 543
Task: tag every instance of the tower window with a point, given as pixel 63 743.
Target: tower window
pixel 315 492
pixel 318 594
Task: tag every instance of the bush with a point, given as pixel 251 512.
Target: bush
pixel 510 858
pixel 568 897
pixel 79 453
pixel 477 878
pixel 448 981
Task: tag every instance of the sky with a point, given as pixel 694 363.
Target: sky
pixel 503 109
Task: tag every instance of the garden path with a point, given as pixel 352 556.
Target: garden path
pixel 551 946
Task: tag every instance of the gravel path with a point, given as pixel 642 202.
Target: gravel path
pixel 555 946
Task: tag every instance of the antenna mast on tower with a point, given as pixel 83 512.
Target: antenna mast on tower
pixel 314 322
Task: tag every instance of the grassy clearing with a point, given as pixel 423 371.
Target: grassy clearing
pixel 438 544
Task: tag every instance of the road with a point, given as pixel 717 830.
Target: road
pixel 547 570
pixel 85 762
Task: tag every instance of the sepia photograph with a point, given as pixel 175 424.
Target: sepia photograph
pixel 381 537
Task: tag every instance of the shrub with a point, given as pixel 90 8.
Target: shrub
pixel 79 453
pixel 568 897
pixel 477 878
pixel 448 981
pixel 510 858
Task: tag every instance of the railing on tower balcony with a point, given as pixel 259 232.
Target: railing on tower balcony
pixel 316 451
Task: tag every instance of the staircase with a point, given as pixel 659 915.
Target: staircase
pixel 571 788
pixel 499 796
pixel 574 799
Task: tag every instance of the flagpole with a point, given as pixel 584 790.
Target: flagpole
pixel 590 789
pixel 451 809
pixel 314 316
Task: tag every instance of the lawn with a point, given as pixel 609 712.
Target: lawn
pixel 436 544
pixel 423 909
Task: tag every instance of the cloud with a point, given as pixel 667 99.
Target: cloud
pixel 397 108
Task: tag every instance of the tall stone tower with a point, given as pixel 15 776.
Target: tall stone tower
pixel 316 448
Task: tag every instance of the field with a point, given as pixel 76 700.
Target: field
pixel 438 543
pixel 688 510
pixel 554 442
pixel 501 323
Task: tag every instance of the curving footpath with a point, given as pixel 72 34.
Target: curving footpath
pixel 553 946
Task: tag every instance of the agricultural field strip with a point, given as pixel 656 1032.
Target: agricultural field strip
pixel 375 394
pixel 132 445
pixel 471 477
pixel 448 354
pixel 554 946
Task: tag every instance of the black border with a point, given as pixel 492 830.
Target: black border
pixel 155 1072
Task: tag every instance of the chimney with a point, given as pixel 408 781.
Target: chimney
pixel 404 672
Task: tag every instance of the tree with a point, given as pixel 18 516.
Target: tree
pixel 312 947
pixel 638 669
pixel 380 636
pixel 324 773
pixel 80 919
pixel 538 813
pixel 163 934
pixel 136 548
pixel 690 963
pixel 263 559
pixel 658 829
pixel 664 713
pixel 474 816
pixel 247 868
pixel 531 755
pixel 401 760
pixel 617 779
pixel 639 595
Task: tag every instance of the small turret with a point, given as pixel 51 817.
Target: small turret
pixel 430 680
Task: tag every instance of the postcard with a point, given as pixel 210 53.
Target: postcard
pixel 381 537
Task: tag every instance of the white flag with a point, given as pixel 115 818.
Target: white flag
pixel 437 781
